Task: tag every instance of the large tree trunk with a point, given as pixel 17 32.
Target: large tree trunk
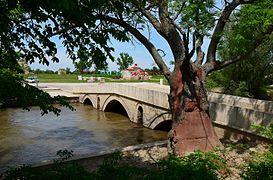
pixel 192 128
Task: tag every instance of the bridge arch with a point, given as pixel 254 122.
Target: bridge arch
pixel 140 115
pixel 88 100
pixel 164 126
pixel 161 122
pixel 115 104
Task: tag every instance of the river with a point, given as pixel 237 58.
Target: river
pixel 27 137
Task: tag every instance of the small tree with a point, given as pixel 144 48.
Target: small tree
pixel 124 61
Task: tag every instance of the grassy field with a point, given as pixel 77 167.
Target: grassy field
pixel 73 78
pixel 66 78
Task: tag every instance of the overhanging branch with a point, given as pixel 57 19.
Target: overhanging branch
pixel 219 28
pixel 149 46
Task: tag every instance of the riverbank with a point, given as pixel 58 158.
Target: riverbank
pixel 146 156
pixel 236 153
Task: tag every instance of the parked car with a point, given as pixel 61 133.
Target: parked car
pixel 32 79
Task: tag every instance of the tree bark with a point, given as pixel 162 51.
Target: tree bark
pixel 192 128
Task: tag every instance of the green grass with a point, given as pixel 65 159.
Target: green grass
pixel 66 78
pixel 73 78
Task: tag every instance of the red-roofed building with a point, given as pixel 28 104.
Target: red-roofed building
pixel 134 73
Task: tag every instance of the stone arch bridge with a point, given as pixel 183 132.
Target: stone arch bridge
pixel 142 103
pixel 147 104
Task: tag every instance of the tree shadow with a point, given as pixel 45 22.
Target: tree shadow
pixel 237 114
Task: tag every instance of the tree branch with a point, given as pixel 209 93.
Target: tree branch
pixel 199 51
pixel 163 13
pixel 200 56
pixel 156 24
pixel 172 33
pixel 219 28
pixel 193 46
pixel 152 19
pixel 180 10
pixel 149 46
pixel 216 65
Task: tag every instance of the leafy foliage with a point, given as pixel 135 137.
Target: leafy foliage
pixel 247 77
pixel 265 131
pixel 198 165
pixel 27 31
pixel 14 90
pixel 260 167
pixel 246 27
pixel 198 16
pixel 84 62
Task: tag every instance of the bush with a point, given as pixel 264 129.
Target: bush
pixel 264 131
pixel 260 167
pixel 214 80
pixel 113 168
pixel 198 165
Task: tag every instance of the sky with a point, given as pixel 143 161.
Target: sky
pixel 135 49
pixel 139 53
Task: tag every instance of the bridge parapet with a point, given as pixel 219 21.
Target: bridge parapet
pixel 146 93
pixel 239 112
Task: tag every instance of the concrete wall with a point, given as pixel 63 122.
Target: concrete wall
pixel 239 112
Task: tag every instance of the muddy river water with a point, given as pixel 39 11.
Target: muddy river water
pixel 27 137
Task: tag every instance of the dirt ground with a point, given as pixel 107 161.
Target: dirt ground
pixel 236 153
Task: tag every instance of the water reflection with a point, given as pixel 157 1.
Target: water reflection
pixel 27 137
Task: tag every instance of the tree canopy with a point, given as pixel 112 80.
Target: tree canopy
pixel 249 76
pixel 124 61
pixel 28 27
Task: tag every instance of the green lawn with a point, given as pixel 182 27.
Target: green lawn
pixel 66 78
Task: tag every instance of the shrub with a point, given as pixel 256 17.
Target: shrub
pixel 195 166
pixel 264 131
pixel 260 167
pixel 198 165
